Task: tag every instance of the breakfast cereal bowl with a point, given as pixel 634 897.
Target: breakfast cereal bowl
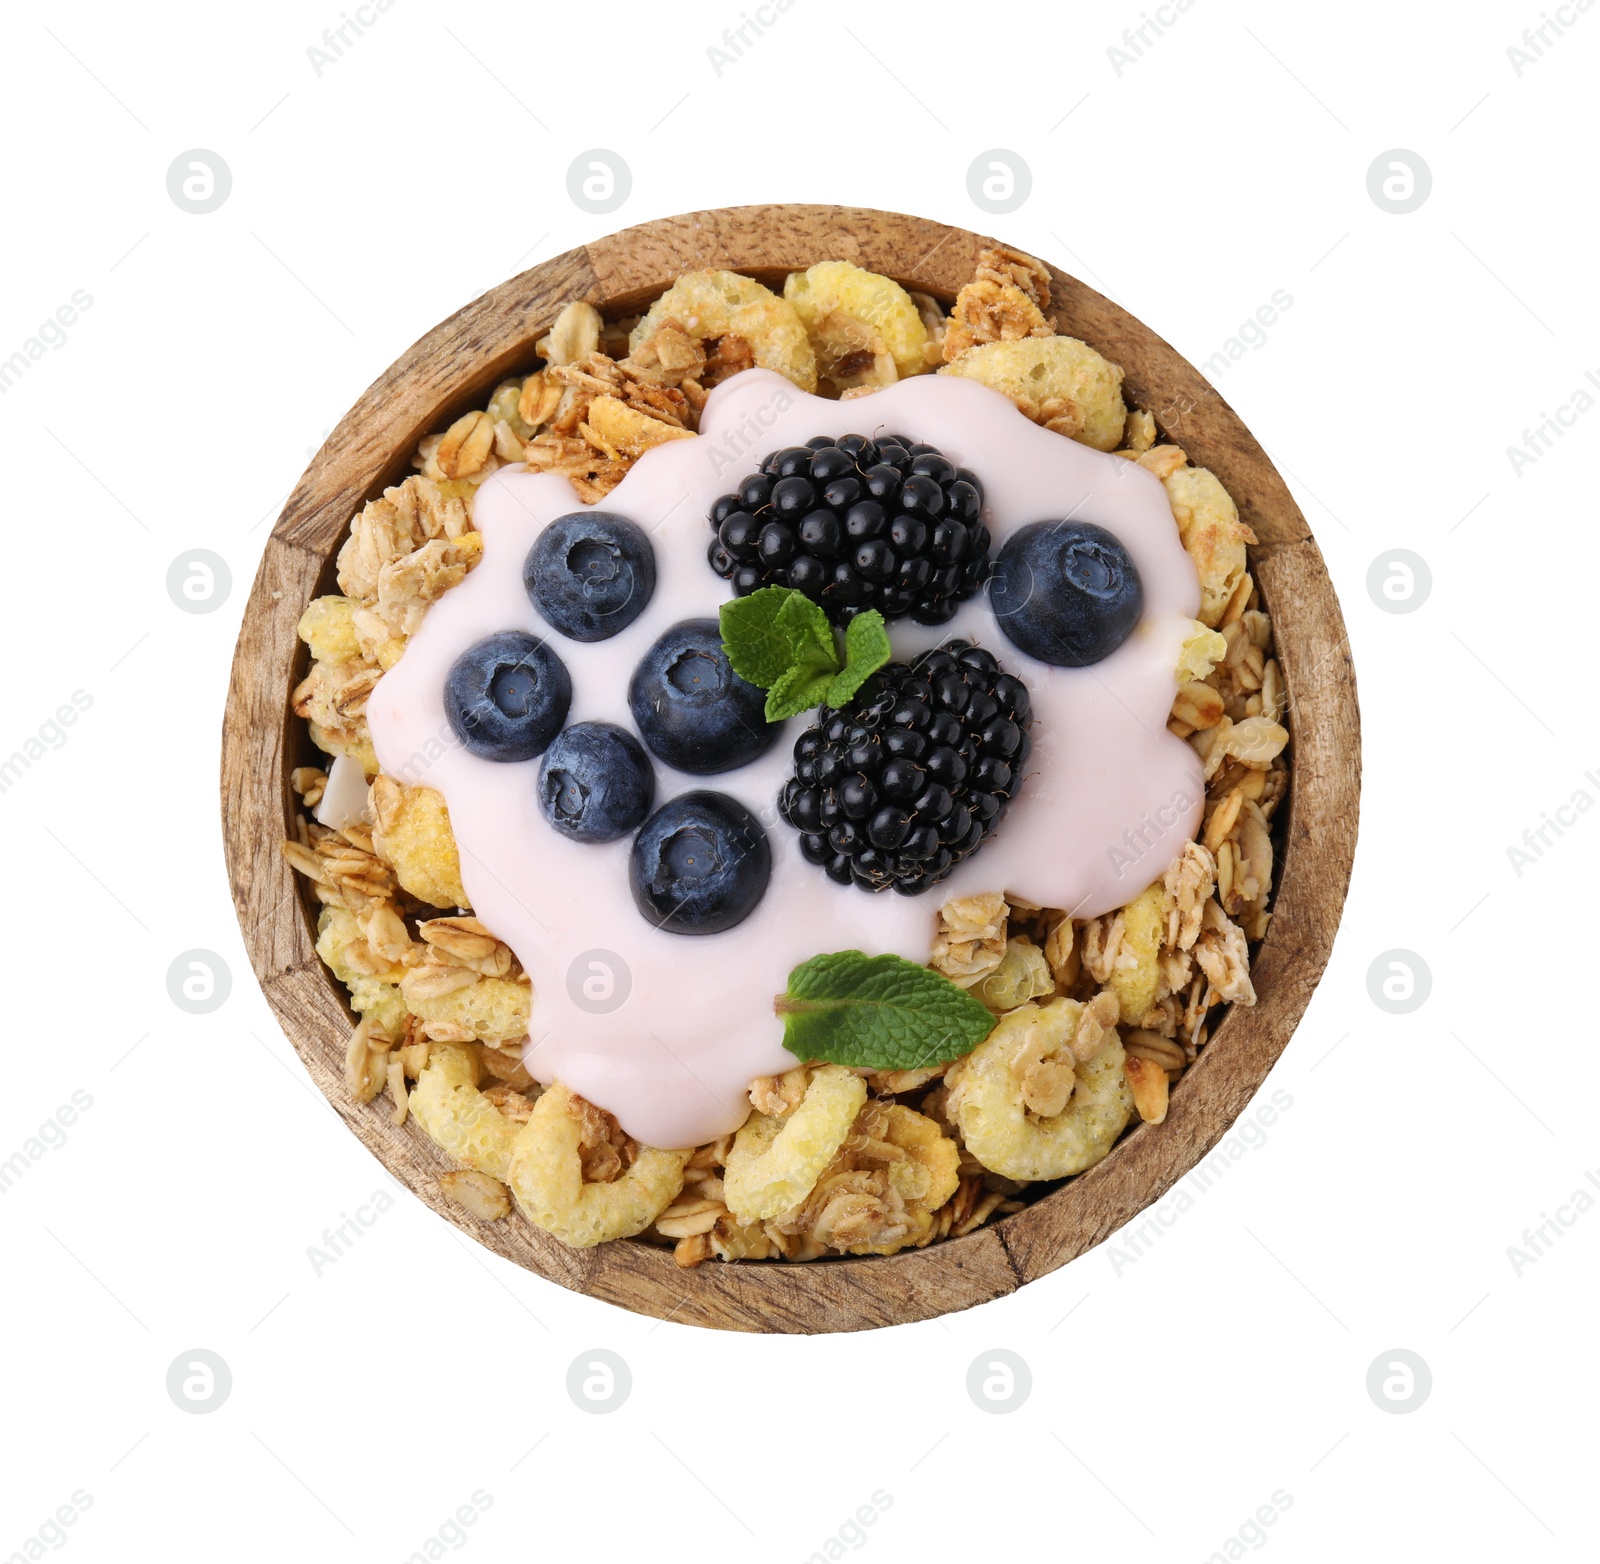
pixel 792 768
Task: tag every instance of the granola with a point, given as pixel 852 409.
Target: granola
pixel 1096 1020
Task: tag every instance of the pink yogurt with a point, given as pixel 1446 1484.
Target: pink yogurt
pixel 666 1031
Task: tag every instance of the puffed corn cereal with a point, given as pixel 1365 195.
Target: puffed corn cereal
pixel 713 304
pixel 328 628
pixel 457 1117
pixel 547 1178
pixel 1059 382
pixel 413 834
pixel 1212 533
pixel 775 1163
pixel 864 327
pixel 986 1096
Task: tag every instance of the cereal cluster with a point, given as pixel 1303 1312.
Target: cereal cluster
pixel 1095 1020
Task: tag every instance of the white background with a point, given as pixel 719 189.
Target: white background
pixel 1172 1395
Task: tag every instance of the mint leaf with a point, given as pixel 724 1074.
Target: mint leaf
pixel 757 646
pixel 809 633
pixel 779 639
pixel 866 650
pixel 798 690
pixel 878 1013
pixel 866 641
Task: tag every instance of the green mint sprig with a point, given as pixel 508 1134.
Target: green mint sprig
pixel 878 1013
pixel 779 639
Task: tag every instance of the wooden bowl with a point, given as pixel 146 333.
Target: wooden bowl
pixel 451 370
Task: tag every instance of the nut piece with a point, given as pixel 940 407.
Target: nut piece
pixel 1149 1084
pixel 477 1194
pixel 1139 434
pixel 366 1069
pixel 778 1095
pixel 1061 951
pixel 407 586
pixel 1097 1026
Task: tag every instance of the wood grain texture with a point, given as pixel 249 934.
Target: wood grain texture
pixel 450 370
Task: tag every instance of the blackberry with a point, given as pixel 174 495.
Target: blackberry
pixel 910 776
pixel 856 524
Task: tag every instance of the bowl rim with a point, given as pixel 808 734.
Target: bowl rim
pixel 450 370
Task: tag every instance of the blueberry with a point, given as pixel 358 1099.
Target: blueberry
pixel 700 864
pixel 1066 592
pixel 595 782
pixel 692 710
pixel 590 574
pixel 507 697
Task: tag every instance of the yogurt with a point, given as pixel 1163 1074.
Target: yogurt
pixel 664 1030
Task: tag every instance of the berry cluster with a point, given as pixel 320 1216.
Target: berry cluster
pixel 910 776
pixel 856 524
pixel 700 863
